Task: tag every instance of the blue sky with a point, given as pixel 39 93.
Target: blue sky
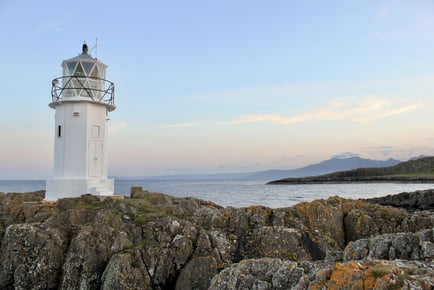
pixel 225 86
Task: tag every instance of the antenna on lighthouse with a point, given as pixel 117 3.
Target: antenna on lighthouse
pixel 96 48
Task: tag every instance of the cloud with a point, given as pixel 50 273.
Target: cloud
pixel 369 109
pixel 182 125
pixel 345 155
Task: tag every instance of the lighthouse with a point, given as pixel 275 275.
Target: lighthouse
pixel 82 99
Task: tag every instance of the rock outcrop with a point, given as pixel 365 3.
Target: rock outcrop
pixel 268 273
pixel 155 241
pixel 418 200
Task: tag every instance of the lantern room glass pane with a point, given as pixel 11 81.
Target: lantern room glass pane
pixel 71 66
pixel 79 70
pixel 101 72
pixel 95 72
pixel 87 67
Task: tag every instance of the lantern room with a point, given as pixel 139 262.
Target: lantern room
pixel 83 79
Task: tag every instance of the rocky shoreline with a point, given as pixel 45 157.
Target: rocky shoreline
pixel 156 241
pixel 412 201
pixel 339 180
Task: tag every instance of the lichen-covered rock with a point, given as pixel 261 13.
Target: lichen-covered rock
pixel 323 220
pixel 363 220
pixel 407 246
pixel 31 253
pixel 88 255
pixel 197 274
pixel 375 274
pixel 277 242
pixel 264 273
pixel 417 221
pixel 224 246
pixel 418 200
pixel 168 247
pixel 126 271
pixel 273 274
pixel 156 241
pixel 20 207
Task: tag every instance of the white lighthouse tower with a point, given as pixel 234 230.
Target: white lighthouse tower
pixel 82 98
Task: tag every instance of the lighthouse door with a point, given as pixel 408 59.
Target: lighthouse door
pixel 95 158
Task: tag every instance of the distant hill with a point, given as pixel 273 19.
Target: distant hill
pixel 324 167
pixel 419 170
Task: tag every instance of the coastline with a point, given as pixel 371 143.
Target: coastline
pixel 290 181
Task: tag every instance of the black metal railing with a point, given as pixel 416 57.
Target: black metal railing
pixel 98 90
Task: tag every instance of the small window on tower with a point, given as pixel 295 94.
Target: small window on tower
pixel 59 131
pixel 95 132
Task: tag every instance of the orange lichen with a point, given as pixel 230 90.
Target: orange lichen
pixel 360 275
pixel 48 202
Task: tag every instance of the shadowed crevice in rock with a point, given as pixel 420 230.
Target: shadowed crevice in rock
pixel 237 253
pixel 314 250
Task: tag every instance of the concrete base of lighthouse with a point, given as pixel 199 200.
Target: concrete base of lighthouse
pixel 61 188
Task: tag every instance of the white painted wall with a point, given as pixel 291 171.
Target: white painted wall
pixel 80 153
pixel 82 124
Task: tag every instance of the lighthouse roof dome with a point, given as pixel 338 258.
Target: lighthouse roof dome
pixel 84 65
pixel 84 55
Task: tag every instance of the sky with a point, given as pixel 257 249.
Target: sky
pixel 206 86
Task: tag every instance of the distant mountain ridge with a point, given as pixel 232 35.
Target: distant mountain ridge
pixel 324 167
pixel 414 170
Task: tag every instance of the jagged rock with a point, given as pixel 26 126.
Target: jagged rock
pixel 276 274
pixel 156 241
pixel 126 271
pixel 31 257
pixel 334 256
pixel 364 220
pixel 276 242
pixel 265 273
pixel 407 246
pixel 375 274
pixel 224 246
pixel 19 207
pixel 323 221
pixel 89 253
pixel 417 221
pixel 418 200
pixel 169 246
pixel 197 274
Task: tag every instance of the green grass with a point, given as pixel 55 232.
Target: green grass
pixel 399 282
pixel 97 205
pixel 380 272
pixel 140 222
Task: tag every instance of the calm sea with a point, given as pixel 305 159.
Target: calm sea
pixel 241 193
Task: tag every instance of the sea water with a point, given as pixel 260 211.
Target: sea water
pixel 242 193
